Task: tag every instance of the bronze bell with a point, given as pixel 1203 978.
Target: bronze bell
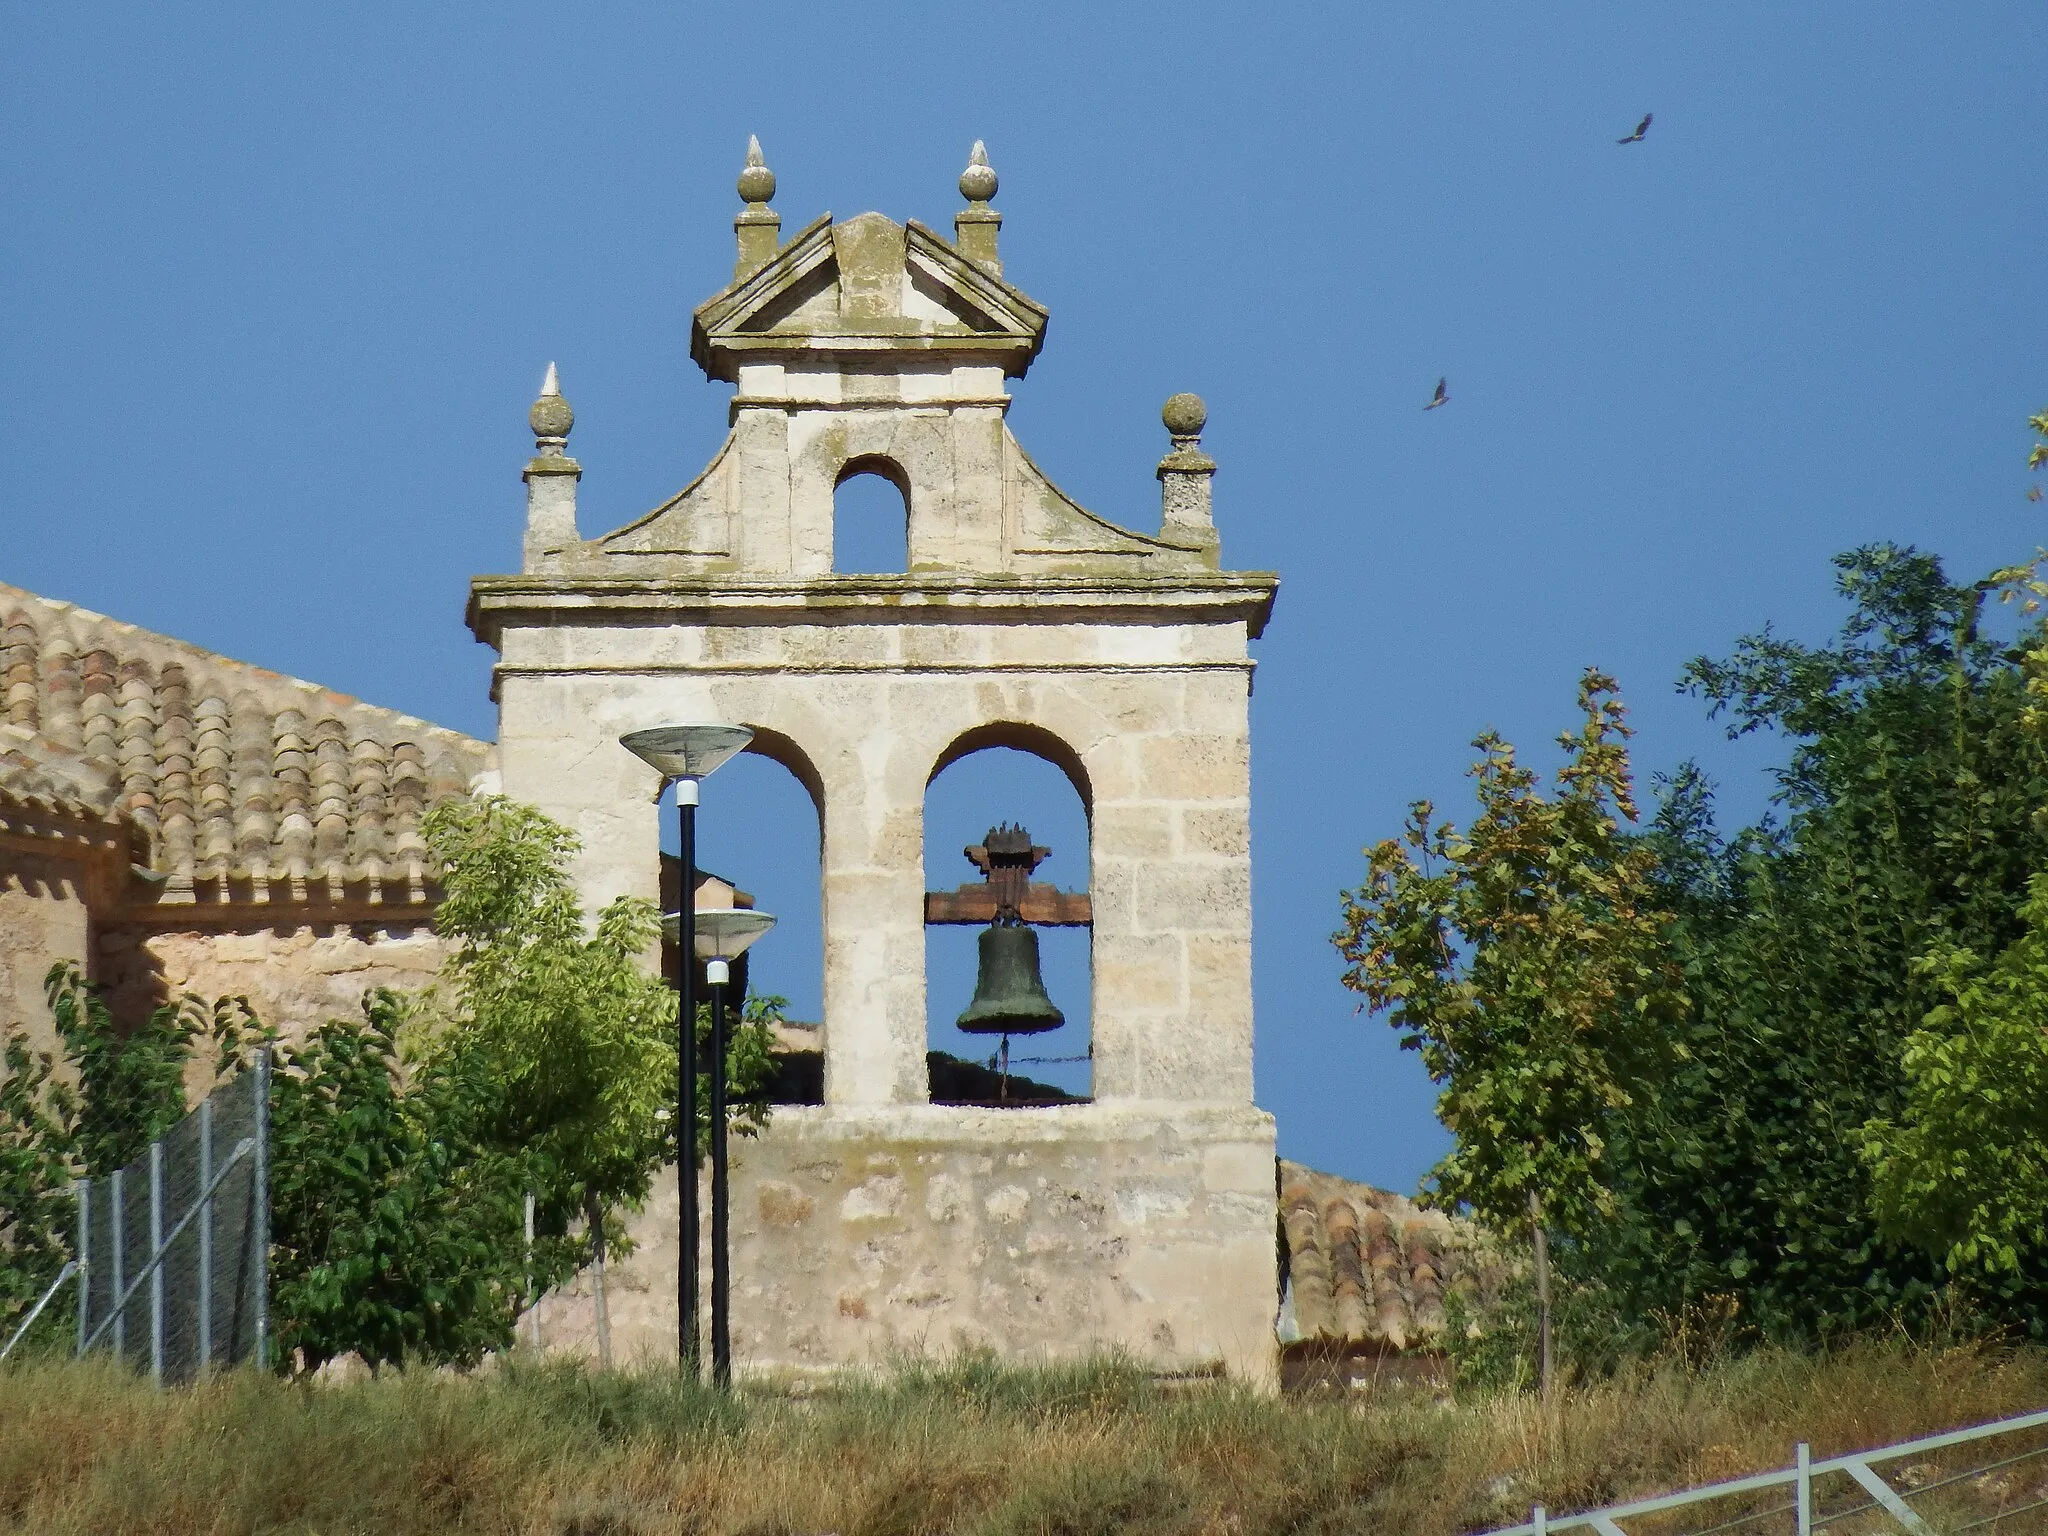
pixel 1009 992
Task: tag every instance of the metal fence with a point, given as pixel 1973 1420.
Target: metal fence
pixel 1856 1496
pixel 172 1261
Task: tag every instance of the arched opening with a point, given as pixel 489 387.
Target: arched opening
pixel 1007 774
pixel 759 844
pixel 871 518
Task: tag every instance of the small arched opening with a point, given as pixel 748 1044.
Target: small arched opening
pixel 871 518
pixel 1017 776
pixel 759 844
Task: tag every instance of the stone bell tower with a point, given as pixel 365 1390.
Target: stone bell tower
pixel 877 1220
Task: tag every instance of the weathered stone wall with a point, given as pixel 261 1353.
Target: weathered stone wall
pixel 859 1235
pixel 43 919
pixel 296 977
pixel 1151 720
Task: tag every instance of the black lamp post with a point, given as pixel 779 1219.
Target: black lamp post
pixel 722 937
pixel 684 754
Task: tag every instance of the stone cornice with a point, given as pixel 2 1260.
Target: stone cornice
pixel 1181 598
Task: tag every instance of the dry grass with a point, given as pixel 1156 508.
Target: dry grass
pixel 965 1446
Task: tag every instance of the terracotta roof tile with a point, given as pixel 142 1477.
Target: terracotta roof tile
pixel 237 776
pixel 1370 1269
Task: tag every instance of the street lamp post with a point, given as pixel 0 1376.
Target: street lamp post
pixel 722 937
pixel 684 754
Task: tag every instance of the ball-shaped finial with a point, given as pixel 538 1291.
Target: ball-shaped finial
pixel 978 182
pixel 551 416
pixel 757 182
pixel 1185 415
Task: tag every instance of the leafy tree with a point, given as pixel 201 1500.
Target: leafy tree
pixel 1524 959
pixel 396 1217
pixel 576 1030
pixel 37 1116
pixel 131 1089
pixel 1963 1171
pixel 1909 829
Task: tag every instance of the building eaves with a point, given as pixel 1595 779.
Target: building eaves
pixel 247 784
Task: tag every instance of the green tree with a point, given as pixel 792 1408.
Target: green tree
pixel 569 1021
pixel 1908 828
pixel 131 1089
pixel 396 1214
pixel 1525 960
pixel 38 1114
pixel 1963 1170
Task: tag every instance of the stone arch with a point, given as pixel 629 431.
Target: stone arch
pixel 1021 736
pixel 878 536
pixel 878 464
pixel 780 748
pixel 994 772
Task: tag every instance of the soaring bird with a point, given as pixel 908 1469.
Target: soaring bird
pixel 1641 128
pixel 1442 394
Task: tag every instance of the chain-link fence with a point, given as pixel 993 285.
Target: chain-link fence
pixel 172 1249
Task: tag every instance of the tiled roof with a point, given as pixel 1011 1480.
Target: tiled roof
pixel 1369 1269
pixel 248 784
pixel 38 775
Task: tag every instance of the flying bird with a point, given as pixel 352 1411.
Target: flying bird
pixel 1442 394
pixel 1641 128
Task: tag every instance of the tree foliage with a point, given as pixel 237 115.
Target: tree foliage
pixel 404 1142
pixel 1963 1170
pixel 1906 827
pixel 1523 959
pixel 396 1216
pixel 38 1119
pixel 131 1089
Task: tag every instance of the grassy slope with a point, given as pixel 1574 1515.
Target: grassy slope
pixel 964 1447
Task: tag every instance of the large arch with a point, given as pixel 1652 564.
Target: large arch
pixel 1008 772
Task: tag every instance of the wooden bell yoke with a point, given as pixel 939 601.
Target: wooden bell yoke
pixel 1006 890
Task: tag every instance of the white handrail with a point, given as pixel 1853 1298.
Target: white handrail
pixel 1856 1464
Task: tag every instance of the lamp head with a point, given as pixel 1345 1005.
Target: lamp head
pixel 723 934
pixel 686 751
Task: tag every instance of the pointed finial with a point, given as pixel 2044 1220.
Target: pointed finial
pixel 757 182
pixel 757 226
pixel 976 226
pixel 978 182
pixel 551 418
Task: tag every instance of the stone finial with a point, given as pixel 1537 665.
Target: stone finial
pixel 551 418
pixel 758 226
pixel 975 227
pixel 1185 475
pixel 551 475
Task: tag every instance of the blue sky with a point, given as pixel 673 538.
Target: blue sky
pixel 280 282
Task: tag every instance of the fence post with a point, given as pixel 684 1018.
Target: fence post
pixel 204 1343
pixel 532 1301
pixel 156 1276
pixel 1540 1518
pixel 1803 1490
pixel 117 1222
pixel 259 1180
pixel 84 1261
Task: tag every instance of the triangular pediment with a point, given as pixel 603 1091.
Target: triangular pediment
pixel 867 285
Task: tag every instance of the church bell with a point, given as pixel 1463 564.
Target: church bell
pixel 1009 991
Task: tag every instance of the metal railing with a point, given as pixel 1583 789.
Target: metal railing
pixel 1800 1478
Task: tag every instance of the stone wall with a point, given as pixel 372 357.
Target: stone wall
pixel 43 919
pixel 859 1236
pixel 295 976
